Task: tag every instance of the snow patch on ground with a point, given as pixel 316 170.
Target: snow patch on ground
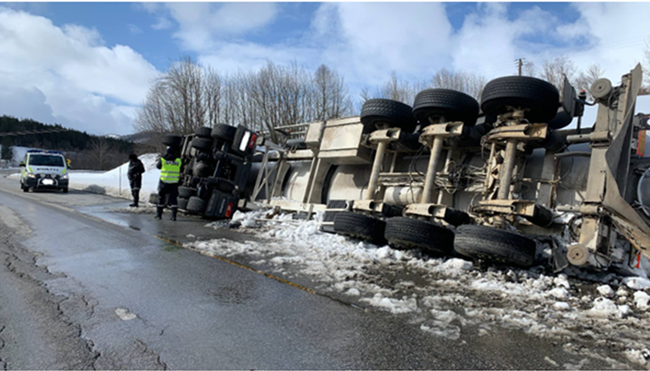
pixel 444 296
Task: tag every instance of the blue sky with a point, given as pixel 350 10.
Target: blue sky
pixel 89 65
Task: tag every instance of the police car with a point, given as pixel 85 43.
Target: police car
pixel 44 170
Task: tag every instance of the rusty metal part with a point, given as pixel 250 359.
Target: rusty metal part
pixel 522 132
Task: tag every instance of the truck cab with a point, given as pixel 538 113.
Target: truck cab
pixel 44 170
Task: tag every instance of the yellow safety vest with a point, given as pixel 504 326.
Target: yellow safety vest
pixel 170 171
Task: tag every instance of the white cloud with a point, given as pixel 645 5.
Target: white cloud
pixel 162 23
pixel 85 84
pixel 202 24
pixel 134 30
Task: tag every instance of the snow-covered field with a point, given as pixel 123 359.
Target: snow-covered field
pixel 591 315
pixel 115 182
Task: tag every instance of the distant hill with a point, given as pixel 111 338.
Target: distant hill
pixel 86 151
pixel 66 140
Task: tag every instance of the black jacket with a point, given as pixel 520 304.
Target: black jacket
pixel 136 168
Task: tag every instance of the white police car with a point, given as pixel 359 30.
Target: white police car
pixel 44 170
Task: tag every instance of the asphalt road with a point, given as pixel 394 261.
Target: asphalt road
pixel 86 288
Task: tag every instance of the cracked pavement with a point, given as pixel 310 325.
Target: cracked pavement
pixel 87 288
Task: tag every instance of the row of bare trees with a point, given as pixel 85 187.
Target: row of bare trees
pixel 189 95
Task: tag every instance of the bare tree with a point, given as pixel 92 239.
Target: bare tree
pixel 554 71
pixel 399 90
pixel 586 78
pixel 529 69
pixel 645 89
pixel 331 98
pixel 100 149
pixel 468 83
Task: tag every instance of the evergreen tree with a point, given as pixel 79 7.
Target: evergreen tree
pixel 7 149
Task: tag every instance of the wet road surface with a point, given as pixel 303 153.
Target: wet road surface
pixel 84 287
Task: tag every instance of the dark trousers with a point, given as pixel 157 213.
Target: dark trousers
pixel 169 190
pixel 136 184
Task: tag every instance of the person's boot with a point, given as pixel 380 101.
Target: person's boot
pixel 159 211
pixel 174 211
pixel 135 200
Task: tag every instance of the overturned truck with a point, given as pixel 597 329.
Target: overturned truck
pixel 491 181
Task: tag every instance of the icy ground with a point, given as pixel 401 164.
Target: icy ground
pixel 600 316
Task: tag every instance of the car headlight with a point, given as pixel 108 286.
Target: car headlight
pixel 31 175
pixel 64 176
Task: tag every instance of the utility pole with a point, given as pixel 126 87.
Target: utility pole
pixel 520 64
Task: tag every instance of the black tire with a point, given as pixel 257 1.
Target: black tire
pixel 540 97
pixel 495 245
pixel 451 104
pixel 202 170
pixel 196 205
pixel 24 188
pixel 171 140
pixel 360 226
pixel 182 203
pixel 561 120
pixel 203 132
pixel 224 132
pixel 406 233
pixel 222 185
pixel 186 192
pixel 65 190
pixel 396 114
pixel 202 144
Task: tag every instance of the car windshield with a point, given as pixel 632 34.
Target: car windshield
pixel 44 160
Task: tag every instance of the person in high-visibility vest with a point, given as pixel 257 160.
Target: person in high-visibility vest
pixel 170 176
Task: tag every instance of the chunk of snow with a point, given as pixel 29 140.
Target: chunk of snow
pixel 562 281
pixel 637 283
pixel 353 292
pixel 605 291
pixel 560 305
pixel 604 308
pixel 453 267
pixel 395 306
pixel 641 300
pixel 559 293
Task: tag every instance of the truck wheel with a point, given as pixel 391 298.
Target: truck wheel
pixel 360 226
pixel 202 144
pixel 539 97
pixel 450 104
pixel 202 170
pixel 196 205
pixel 224 132
pixel 182 203
pixel 223 185
pixel 495 245
pixel 171 140
pixel 407 233
pixel 186 192
pixel 396 114
pixel 203 132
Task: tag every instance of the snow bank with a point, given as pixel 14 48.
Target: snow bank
pixel 449 293
pixel 115 182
